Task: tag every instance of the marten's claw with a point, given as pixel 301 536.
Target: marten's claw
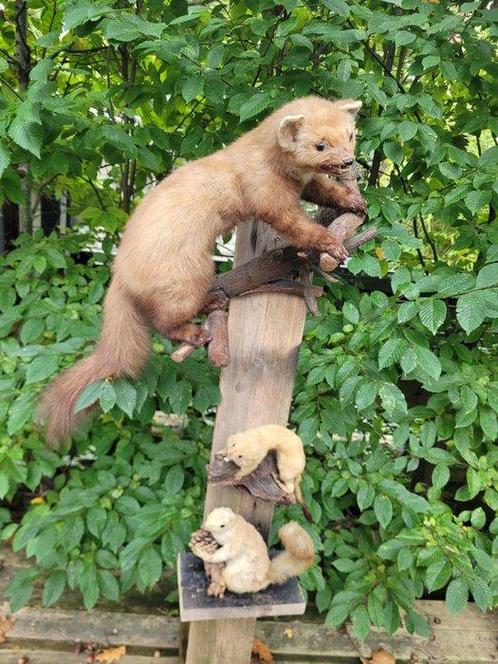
pixel 337 251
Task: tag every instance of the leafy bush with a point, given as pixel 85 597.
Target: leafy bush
pixel 396 393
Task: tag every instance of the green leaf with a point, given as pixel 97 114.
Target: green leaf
pixel 31 330
pixel 27 134
pixel 89 396
pixel 481 593
pixel 487 276
pixel 108 584
pixel 4 485
pixel 470 311
pixel 440 476
pixel 475 200
pixel 393 151
pixel 407 311
pixel 428 361
pixel 457 595
pixel 174 480
pixel 432 313
pixel 478 518
pixel 150 567
pixel 254 106
pixel 20 412
pixel 383 510
pixel 390 352
pixel 489 423
pixel 450 170
pixel 126 395
pixel 361 622
pixel 41 368
pixel 337 615
pixel 338 7
pixel 192 88
pixel 437 574
pixel 366 395
pixel 351 313
pixel 407 130
pixel 54 587
pixel 392 398
pixel 4 158
pixel 107 396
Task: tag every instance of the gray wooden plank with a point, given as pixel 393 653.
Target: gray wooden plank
pixel 195 604
pixel 35 625
pixel 61 657
pixel 446 645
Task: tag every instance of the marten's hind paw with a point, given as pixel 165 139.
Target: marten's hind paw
pixel 191 334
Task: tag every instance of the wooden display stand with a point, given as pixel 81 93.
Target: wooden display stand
pixel 265 329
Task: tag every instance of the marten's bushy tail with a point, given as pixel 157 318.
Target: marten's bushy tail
pixel 121 350
pixel 298 554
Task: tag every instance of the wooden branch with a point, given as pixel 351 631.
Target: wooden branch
pixel 218 348
pixel 341 229
pixel 260 483
pixel 284 286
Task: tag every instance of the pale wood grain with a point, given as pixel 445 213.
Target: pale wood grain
pixel 265 331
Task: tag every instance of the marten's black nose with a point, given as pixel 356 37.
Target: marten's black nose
pixel 347 162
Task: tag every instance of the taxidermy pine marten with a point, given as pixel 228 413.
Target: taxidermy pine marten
pixel 248 567
pixel 163 268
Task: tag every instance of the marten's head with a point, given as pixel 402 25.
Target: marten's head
pixel 219 520
pixel 321 138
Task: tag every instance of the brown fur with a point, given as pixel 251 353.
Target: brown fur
pixel 163 268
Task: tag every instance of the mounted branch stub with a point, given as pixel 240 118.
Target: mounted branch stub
pixel 260 483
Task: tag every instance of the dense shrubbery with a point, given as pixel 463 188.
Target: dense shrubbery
pixel 397 392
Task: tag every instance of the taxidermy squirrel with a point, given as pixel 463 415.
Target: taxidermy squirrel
pixel 248 567
pixel 248 449
pixel 163 268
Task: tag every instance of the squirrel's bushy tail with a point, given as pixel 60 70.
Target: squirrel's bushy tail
pixel 121 350
pixel 297 557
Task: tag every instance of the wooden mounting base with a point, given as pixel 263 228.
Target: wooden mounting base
pixel 195 604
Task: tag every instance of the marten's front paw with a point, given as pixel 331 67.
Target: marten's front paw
pixel 336 250
pixel 355 204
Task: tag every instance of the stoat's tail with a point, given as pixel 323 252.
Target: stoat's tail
pixel 300 500
pixel 297 557
pixel 121 350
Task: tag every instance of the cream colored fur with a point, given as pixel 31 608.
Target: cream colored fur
pixel 247 565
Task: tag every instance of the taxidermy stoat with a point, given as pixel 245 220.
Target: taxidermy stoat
pixel 248 567
pixel 164 268
pixel 248 449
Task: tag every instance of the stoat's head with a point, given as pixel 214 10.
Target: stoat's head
pixel 235 448
pixel 219 520
pixel 322 137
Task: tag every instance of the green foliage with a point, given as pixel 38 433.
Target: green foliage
pixel 397 393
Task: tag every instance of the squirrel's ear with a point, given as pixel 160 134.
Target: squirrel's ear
pixel 350 106
pixel 288 130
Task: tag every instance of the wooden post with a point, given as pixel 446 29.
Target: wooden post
pixel 265 332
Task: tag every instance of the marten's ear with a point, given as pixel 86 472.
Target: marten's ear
pixel 288 130
pixel 350 105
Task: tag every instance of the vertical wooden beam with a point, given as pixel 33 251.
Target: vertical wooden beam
pixel 265 332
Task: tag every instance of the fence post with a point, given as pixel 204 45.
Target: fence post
pixel 265 332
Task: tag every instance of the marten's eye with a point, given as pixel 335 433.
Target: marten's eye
pixel 222 525
pixel 320 147
pixel 240 456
